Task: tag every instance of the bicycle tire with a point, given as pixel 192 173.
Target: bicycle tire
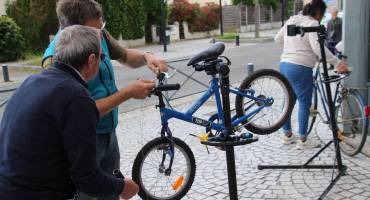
pixel 352 130
pixel 313 111
pixel 160 144
pixel 287 105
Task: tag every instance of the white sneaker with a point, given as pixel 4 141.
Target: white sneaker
pixel 308 144
pixel 289 140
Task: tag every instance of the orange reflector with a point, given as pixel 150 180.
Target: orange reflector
pixel 367 111
pixel 178 183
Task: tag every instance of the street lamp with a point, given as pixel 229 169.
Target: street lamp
pixel 221 23
pixel 163 27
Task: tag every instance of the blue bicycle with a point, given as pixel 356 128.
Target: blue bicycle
pixel 165 167
pixel 352 122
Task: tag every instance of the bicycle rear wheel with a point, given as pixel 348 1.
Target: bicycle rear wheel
pixel 151 169
pixel 313 111
pixel 266 83
pixel 352 123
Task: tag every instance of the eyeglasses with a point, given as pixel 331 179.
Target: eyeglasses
pixel 103 25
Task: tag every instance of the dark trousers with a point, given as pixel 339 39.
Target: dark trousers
pixel 108 157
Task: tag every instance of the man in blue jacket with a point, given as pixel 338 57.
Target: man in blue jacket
pixel 47 134
pixel 103 88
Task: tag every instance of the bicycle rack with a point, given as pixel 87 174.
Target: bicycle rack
pixel 230 140
pixel 292 31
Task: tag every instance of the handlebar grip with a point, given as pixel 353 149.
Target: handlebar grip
pixel 320 28
pixel 168 87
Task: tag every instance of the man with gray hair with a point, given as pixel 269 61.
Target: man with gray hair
pixel 334 29
pixel 103 88
pixel 47 134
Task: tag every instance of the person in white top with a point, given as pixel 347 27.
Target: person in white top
pixel 300 54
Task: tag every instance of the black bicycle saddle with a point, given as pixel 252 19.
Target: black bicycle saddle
pixel 209 54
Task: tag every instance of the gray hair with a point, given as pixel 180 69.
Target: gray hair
pixel 71 12
pixel 75 44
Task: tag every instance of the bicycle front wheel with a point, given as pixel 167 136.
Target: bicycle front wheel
pixel 352 123
pixel 266 83
pixel 152 171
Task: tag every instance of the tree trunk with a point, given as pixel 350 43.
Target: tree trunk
pixel 257 17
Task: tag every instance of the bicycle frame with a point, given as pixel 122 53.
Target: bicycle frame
pixel 319 87
pixel 167 113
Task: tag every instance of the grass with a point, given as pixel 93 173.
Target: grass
pixel 32 59
pixel 227 36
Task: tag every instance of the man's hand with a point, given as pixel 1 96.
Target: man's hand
pixel 140 89
pixel 342 67
pixel 155 64
pixel 130 189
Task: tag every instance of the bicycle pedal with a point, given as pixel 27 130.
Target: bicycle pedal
pixel 202 137
pixel 340 135
pixel 246 135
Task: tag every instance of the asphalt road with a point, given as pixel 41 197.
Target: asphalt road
pixel 263 55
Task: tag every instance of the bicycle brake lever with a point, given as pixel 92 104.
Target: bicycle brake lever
pixel 168 76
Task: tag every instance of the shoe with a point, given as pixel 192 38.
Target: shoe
pixel 289 140
pixel 308 144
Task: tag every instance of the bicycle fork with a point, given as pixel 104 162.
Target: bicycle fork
pixel 167 151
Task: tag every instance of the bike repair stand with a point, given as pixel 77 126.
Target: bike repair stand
pixel 227 139
pixel 293 31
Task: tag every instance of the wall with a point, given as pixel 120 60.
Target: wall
pixel 356 41
pixel 204 2
pixel 2 7
pixel 174 33
pixel 131 43
pixel 263 26
pixel 197 35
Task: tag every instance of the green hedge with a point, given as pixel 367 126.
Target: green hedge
pixel 37 19
pixel 124 17
pixel 11 40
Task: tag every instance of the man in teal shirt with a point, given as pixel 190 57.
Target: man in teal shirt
pixel 103 88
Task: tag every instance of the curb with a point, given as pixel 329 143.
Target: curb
pixel 246 40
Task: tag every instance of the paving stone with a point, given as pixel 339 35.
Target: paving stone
pixel 211 181
pixel 359 197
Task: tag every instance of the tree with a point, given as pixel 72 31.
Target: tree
pixel 152 9
pixel 12 42
pixel 124 18
pixel 37 20
pixel 204 18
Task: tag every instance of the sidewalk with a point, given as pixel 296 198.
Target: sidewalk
pixel 138 127
pixel 177 50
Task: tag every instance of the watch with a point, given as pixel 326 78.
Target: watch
pixel 144 59
pixel 118 174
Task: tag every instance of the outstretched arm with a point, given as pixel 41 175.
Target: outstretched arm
pixel 134 58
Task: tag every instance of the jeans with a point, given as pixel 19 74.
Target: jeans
pixel 108 158
pixel 300 77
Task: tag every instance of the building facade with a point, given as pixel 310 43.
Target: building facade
pixel 2 7
pixel 356 36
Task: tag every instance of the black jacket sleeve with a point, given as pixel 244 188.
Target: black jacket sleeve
pixel 79 138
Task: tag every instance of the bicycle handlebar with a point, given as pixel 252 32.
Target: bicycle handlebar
pixel 168 87
pixel 294 30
